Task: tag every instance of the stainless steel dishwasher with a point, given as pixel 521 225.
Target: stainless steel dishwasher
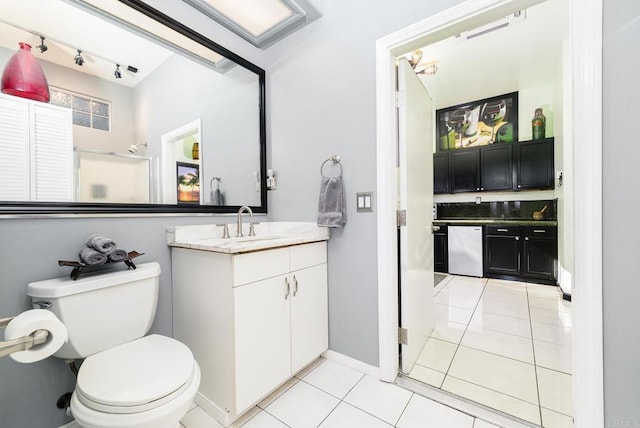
pixel 465 250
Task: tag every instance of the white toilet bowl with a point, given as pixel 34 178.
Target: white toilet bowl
pixel 147 383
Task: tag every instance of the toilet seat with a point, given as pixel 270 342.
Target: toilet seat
pixel 136 376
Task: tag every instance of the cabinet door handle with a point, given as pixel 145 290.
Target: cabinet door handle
pixel 517 238
pixel 539 231
pixel 526 238
pixel 477 188
pixel 287 289
pixel 482 188
pixel 295 286
pixel 502 230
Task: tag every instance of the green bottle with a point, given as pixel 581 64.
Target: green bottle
pixel 538 124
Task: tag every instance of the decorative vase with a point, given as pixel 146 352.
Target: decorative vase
pixel 195 151
pixel 23 76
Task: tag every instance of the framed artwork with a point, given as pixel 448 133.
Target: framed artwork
pixel 478 123
pixel 188 183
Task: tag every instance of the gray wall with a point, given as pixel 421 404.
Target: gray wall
pixel 621 244
pixel 321 85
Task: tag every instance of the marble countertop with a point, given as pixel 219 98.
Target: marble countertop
pixel 514 222
pixel 268 235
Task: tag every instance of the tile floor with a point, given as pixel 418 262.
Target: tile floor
pixel 330 395
pixel 503 344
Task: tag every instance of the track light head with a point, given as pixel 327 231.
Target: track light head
pixel 42 47
pixel 79 60
pixel 117 73
pixel 132 69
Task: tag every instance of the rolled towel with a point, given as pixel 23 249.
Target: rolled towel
pixel 101 243
pixel 90 256
pixel 118 255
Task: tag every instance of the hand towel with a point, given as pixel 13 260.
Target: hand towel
pixel 91 256
pixel 101 243
pixel 331 204
pixel 118 255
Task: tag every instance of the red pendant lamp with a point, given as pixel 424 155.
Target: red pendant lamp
pixel 23 76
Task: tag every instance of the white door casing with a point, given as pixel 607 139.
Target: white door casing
pixel 415 179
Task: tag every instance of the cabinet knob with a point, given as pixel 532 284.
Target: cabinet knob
pixel 517 238
pixel 477 188
pixel 519 186
pixel 526 238
pixel 482 188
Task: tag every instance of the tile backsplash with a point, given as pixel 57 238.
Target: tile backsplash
pixel 508 210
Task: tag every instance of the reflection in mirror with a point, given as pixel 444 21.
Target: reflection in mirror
pixel 126 107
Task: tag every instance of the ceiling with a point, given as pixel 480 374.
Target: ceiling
pixel 525 54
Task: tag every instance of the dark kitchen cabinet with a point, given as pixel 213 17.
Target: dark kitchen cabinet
pixel 503 250
pixel 464 167
pixel 540 253
pixel 441 173
pixel 440 249
pixel 521 252
pixel 534 164
pixel 496 167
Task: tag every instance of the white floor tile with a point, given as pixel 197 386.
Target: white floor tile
pixel 501 374
pixel 264 420
pixel 495 342
pixel 302 406
pixel 500 307
pixel 347 416
pixel 495 322
pixel 505 286
pixel 493 399
pixel 551 419
pixel 545 316
pixel 552 333
pixel 553 356
pixel 198 418
pixel 448 331
pixel 437 355
pixel 427 375
pixel 308 369
pixel 506 296
pixel 459 299
pixel 333 378
pixel 277 393
pixel 551 304
pixel 541 290
pixel 245 417
pixel 478 423
pixel 555 391
pixel 451 313
pixel 422 412
pixel 383 400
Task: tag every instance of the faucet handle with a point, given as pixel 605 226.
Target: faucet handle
pixel 225 230
pixel 252 231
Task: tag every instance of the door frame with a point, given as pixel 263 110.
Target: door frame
pixel 586 74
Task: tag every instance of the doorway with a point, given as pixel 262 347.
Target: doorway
pixel 586 38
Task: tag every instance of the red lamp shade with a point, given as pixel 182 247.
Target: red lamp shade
pixel 23 76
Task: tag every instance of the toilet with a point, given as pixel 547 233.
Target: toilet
pixel 127 379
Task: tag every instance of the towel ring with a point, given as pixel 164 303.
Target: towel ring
pixel 335 159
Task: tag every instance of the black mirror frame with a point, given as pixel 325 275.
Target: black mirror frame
pixel 35 208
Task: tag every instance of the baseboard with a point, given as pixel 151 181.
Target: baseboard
pixel 72 424
pixel 352 363
pixel 566 296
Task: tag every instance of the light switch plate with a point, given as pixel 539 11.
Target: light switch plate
pixel 364 202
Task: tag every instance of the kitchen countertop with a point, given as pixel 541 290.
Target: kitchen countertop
pixel 481 221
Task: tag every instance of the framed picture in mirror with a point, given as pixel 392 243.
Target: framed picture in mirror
pixel 478 123
pixel 188 183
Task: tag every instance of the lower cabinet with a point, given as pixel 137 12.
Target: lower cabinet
pixel 252 320
pixel 521 252
pixel 440 249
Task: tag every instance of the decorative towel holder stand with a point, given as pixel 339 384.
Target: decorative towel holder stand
pixel 78 267
pixel 335 160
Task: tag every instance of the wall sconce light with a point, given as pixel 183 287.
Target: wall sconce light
pixel 42 47
pixel 117 73
pixel 78 58
pixel 134 147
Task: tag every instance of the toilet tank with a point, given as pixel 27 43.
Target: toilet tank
pixel 101 310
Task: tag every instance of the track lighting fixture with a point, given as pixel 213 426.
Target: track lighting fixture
pixel 78 58
pixel 42 47
pixel 118 73
pixel 134 147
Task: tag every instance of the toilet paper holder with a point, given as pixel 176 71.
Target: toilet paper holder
pixel 23 343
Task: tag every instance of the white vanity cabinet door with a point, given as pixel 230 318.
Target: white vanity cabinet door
pixel 262 337
pixel 309 315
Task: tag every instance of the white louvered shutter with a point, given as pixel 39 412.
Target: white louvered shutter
pixel 52 154
pixel 14 149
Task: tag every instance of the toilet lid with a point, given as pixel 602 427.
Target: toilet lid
pixel 135 373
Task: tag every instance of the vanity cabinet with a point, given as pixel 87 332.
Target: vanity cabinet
pixel 440 249
pixel 252 320
pixel 36 142
pixel 465 170
pixel 534 162
pixel 496 167
pixel 503 250
pixel 441 173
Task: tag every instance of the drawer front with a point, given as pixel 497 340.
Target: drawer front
pixel 259 265
pixel 306 255
pixel 503 230
pixel 541 231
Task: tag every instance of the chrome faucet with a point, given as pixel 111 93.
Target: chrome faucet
pixel 242 209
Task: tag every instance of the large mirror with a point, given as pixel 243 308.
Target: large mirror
pixel 144 114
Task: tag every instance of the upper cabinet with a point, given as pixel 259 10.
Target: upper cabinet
pixel 497 167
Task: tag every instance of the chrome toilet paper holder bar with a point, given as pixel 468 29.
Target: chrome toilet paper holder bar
pixel 23 343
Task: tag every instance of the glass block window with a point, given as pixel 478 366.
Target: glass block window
pixel 87 111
